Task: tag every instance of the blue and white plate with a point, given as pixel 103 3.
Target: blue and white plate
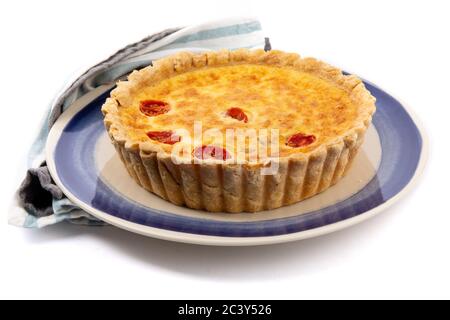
pixel 84 164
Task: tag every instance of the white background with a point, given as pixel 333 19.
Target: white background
pixel 403 46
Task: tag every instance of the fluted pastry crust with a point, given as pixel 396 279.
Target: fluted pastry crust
pixel 235 187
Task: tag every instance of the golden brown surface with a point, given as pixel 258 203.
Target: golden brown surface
pixel 272 97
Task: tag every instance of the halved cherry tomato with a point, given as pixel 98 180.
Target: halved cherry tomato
pixel 167 137
pixel 300 140
pixel 153 108
pixel 238 114
pixel 211 152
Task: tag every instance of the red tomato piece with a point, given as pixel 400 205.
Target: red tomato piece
pixel 167 137
pixel 300 140
pixel 153 108
pixel 238 114
pixel 211 152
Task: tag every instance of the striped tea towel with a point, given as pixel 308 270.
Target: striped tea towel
pixel 39 202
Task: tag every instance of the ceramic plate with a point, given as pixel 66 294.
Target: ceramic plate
pixel 84 164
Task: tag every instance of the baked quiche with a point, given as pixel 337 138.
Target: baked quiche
pixel 234 131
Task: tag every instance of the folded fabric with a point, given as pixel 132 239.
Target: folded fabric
pixel 39 201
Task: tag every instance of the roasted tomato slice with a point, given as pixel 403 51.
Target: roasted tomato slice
pixel 167 137
pixel 300 140
pixel 211 152
pixel 238 114
pixel 153 108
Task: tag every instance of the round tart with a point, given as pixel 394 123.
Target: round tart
pixel 239 130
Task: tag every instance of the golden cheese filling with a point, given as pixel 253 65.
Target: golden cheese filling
pixel 306 110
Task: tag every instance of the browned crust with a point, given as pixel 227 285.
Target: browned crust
pixel 220 186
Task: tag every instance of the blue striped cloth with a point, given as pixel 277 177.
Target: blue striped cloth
pixel 39 202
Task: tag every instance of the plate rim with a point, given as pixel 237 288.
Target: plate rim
pixel 200 239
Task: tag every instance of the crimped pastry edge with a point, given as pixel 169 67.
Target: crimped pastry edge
pixel 220 186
